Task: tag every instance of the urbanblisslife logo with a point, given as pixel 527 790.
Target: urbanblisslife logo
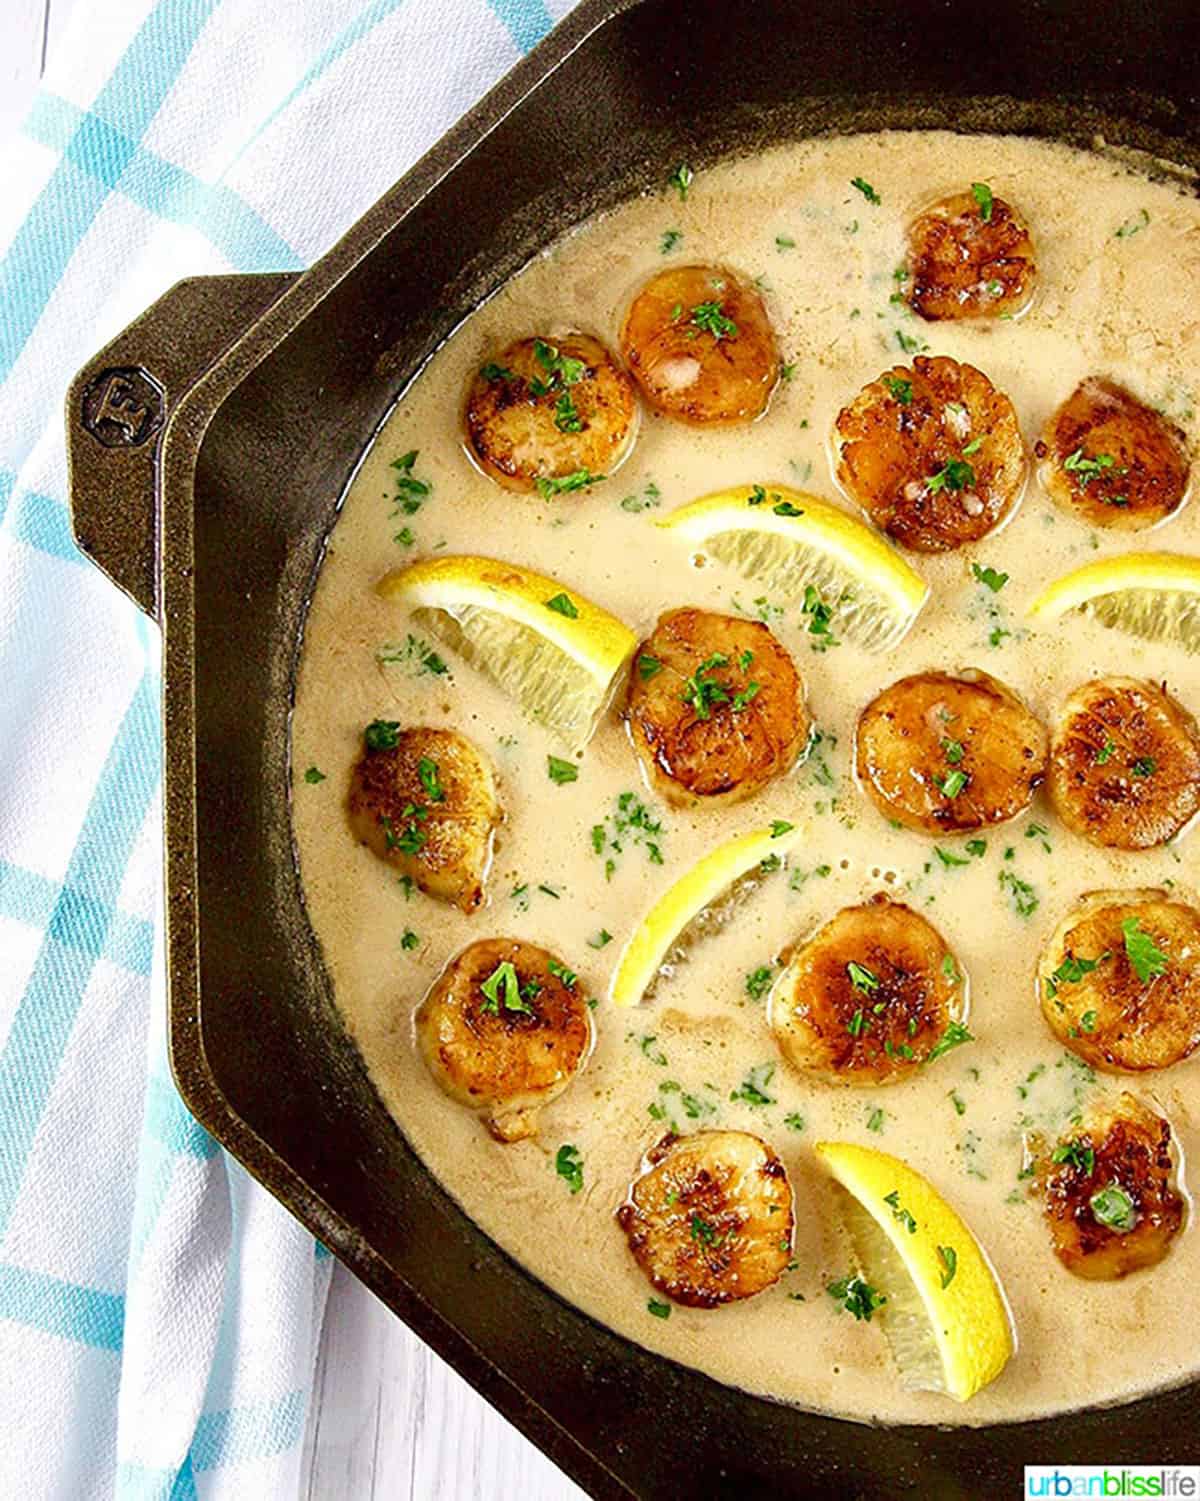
pixel 1112 1480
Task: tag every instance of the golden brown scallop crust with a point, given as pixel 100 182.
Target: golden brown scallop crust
pixel 709 1218
pixel 944 753
pixel 1111 460
pixel 1125 764
pixel 1095 1000
pixel 932 453
pixel 868 997
pixel 963 265
pixel 442 843
pixel 505 1055
pixel 700 346
pixel 715 707
pixel 1119 1161
pixel 544 409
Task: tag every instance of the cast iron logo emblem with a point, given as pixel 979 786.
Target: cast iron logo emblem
pixel 123 408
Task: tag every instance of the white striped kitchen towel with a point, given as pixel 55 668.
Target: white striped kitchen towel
pixel 159 1313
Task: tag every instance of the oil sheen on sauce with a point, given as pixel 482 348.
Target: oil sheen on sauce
pixel 1119 294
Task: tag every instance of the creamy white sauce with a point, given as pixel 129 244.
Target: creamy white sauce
pixel 1125 306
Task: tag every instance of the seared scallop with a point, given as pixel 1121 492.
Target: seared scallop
pixel 504 1030
pixel 933 454
pixel 1108 1191
pixel 1125 764
pixel 969 256
pixel 869 997
pixel 1120 980
pixel 715 707
pixel 709 1218
pixel 425 801
pixel 551 414
pixel 1112 460
pixel 700 345
pixel 944 754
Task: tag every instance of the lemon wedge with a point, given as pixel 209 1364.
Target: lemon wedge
pixel 695 896
pixel 1155 595
pixel 946 1318
pixel 788 542
pixel 553 651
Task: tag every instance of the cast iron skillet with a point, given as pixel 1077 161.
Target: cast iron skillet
pixel 208 444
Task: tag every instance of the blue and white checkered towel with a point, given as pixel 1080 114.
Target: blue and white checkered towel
pixel 159 1313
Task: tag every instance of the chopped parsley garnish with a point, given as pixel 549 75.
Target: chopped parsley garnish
pixel 1071 971
pixel 862 978
pixel 982 195
pixel 1105 753
pixel 648 667
pixel 600 939
pixel 820 616
pixel 1144 766
pixel 681 179
pixel 410 940
pixel 954 1036
pixel 753 1088
pixel 702 690
pixel 1132 226
pixel 948 858
pixel 580 479
pixel 568 1164
pixel 948 1256
pixel 567 976
pixel 631 823
pixel 952 750
pixel 405 481
pixel 904 1216
pixel 859 1024
pixel 786 508
pixel 865 188
pixel 493 372
pixel 503 986
pixel 382 734
pixel 741 700
pixel 705 1232
pixel 647 501
pixel 414 654
pixel 1147 959
pixel 856 1296
pixel 1113 1208
pixel 955 475
pixel 427 770
pixel 670 239
pixel 566 414
pixel 794 1121
pixel 563 604
pixel 1086 470
pixel 950 970
pixel 989 578
pixel 560 771
pixel 901 389
pixel 1087 1022
pixel 710 319
pixel 758 981
pixel 659 1309
pixel 561 369
pixel 1021 893
pixel 952 783
pixel 1078 1153
pixel 779 827
pixel 314 775
pixel 785 242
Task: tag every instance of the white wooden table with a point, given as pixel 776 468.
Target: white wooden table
pixel 390 1420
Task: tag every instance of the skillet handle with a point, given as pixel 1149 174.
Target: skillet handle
pixel 119 404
